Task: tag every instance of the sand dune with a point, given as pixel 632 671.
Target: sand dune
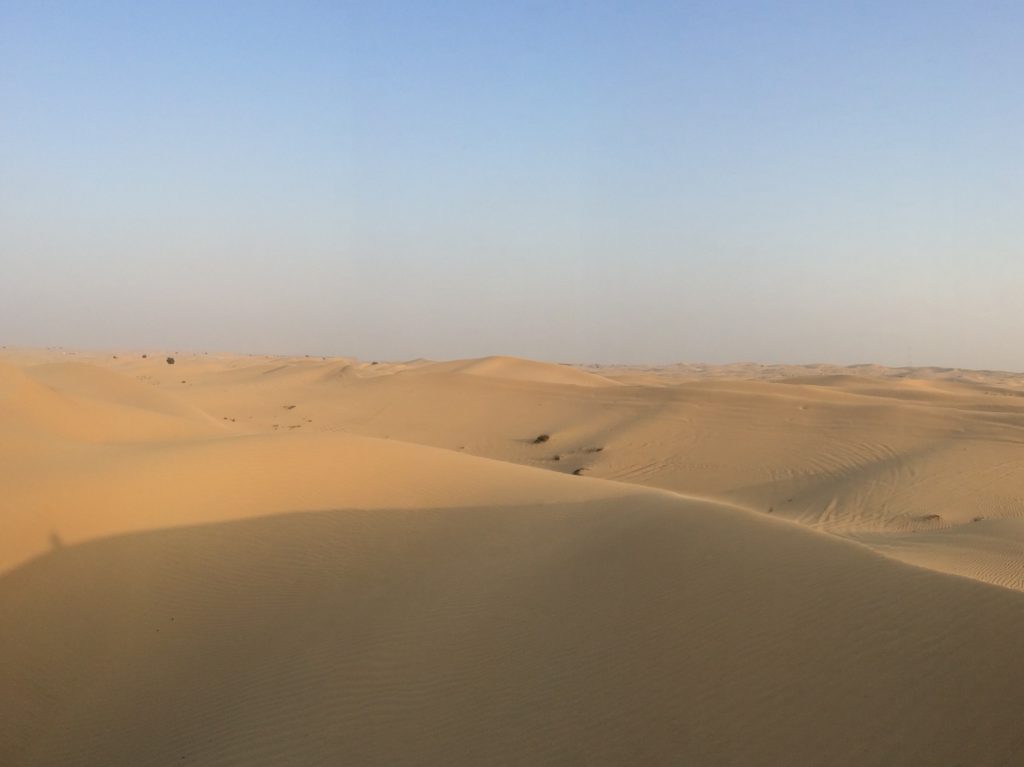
pixel 644 630
pixel 92 405
pixel 845 453
pixel 117 489
pixel 515 369
pixel 261 560
pixel 847 456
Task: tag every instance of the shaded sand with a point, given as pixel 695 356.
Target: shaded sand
pixel 644 630
pixel 258 560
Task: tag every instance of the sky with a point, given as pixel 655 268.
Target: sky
pixel 633 182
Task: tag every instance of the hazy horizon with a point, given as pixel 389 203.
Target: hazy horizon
pixel 606 183
pixel 156 350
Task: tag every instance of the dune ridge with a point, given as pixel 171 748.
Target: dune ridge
pixel 517 369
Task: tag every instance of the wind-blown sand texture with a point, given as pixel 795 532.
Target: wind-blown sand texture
pixel 242 560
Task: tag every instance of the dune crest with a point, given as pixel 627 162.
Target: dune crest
pixel 517 369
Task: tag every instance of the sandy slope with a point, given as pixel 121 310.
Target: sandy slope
pixel 845 454
pixel 636 631
pixel 874 454
pixel 256 560
pixel 81 494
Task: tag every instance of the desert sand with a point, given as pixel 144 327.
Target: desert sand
pixel 242 560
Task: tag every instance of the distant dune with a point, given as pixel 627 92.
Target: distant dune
pixel 262 560
pixel 515 369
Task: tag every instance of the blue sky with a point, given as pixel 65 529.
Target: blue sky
pixel 574 181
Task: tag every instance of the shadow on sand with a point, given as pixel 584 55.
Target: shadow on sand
pixel 607 633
